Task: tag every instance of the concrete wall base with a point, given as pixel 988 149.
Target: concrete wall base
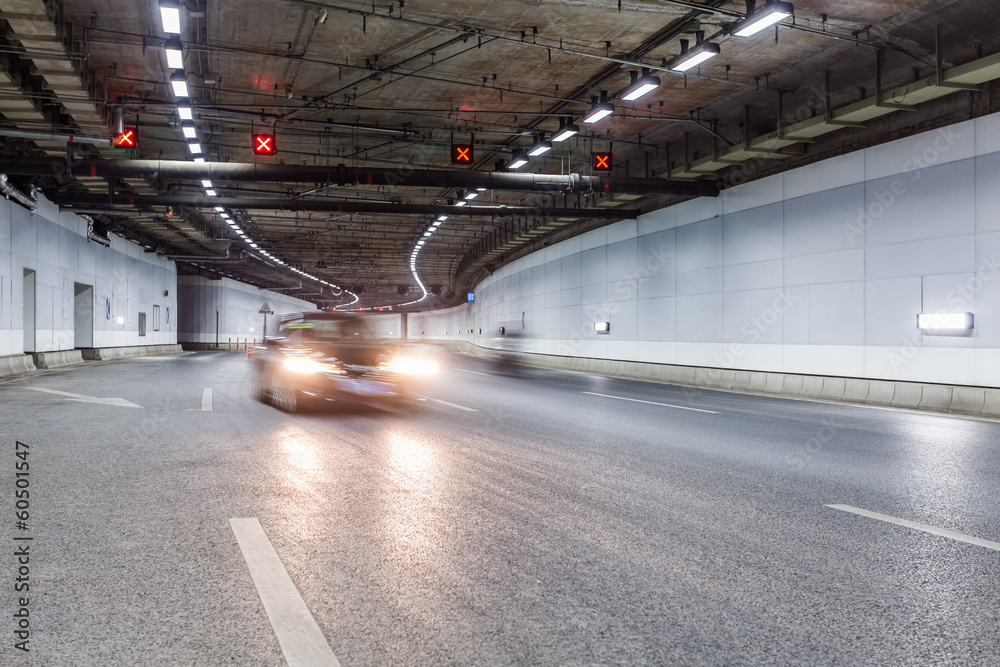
pixel 975 401
pixel 16 364
pixel 58 359
pixel 106 353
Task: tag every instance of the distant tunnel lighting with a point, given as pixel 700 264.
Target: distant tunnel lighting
pixel 640 85
pixel 442 218
pixel 206 184
pixel 170 16
pixel 195 148
pixel 199 159
pixel 765 17
pixel 939 321
pixel 210 192
pixel 518 160
pixel 690 59
pixel 481 189
pixel 427 233
pixel 189 132
pixel 219 209
pixel 565 131
pixel 460 203
pixel 185 113
pixel 175 56
pixel 179 83
pixel 602 327
pixel 599 111
pixel 472 195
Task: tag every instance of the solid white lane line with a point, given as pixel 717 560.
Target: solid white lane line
pixel 300 638
pixel 923 527
pixel 206 400
pixel 473 372
pixel 666 405
pixel 80 398
pixel 452 405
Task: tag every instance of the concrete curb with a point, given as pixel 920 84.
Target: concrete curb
pixel 108 353
pixel 58 359
pixel 938 398
pixel 17 364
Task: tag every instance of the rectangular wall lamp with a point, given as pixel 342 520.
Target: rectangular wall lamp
pixel 602 327
pixel 945 321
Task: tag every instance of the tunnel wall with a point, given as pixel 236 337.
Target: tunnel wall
pixel 819 270
pixel 238 306
pixel 125 281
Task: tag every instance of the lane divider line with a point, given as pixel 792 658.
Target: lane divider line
pixel 206 400
pixel 301 640
pixel 922 527
pixel 450 405
pixel 473 372
pixel 666 405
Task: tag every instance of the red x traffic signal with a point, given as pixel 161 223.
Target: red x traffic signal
pixel 603 161
pixel 129 138
pixel 263 144
pixel 461 154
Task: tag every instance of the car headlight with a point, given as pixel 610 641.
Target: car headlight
pixel 411 366
pixel 304 365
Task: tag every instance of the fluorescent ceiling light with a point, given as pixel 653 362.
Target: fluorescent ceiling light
pixel 179 83
pixel 518 160
pixel 253 245
pixel 690 59
pixel 565 131
pixel 481 189
pixel 472 195
pixel 442 218
pixel 938 321
pixel 210 192
pixel 189 132
pixel 185 113
pixel 170 16
pixel 206 184
pixel 219 209
pixel 427 233
pixel 539 148
pixel 436 224
pixel 195 148
pixel 640 85
pixel 460 203
pixel 199 159
pixel 765 17
pixel 599 111
pixel 175 56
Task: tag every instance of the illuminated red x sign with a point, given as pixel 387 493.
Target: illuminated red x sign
pixel 129 138
pixel 263 144
pixel 603 161
pixel 461 153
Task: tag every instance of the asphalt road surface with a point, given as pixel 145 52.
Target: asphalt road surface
pixel 548 519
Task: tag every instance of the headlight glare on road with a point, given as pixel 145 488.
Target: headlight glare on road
pixel 411 366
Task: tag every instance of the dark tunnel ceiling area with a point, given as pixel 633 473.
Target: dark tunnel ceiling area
pixel 361 206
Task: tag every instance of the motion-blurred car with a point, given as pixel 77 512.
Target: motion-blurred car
pixel 322 356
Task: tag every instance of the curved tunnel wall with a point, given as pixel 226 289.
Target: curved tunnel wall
pixel 820 270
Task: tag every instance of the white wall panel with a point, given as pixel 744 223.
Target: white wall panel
pixel 953 254
pixel 705 281
pixel 836 172
pixel 754 235
pixel 836 314
pixel 699 246
pixel 987 199
pixel 845 265
pixel 891 308
pixel 755 275
pixel 826 221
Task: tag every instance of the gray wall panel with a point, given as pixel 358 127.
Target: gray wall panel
pixel 831 267
pixel 705 281
pixel 837 314
pixel 699 318
pixel 755 275
pixel 754 235
pixel 657 319
pixel 816 223
pixel 891 308
pixel 699 246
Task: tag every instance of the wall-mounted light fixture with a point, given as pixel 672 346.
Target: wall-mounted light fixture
pixel 945 321
pixel 602 327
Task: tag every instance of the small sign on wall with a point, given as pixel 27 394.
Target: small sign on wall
pixel 107 309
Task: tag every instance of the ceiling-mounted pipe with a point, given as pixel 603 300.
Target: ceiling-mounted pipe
pixel 48 136
pixel 341 174
pixel 10 192
pixel 89 201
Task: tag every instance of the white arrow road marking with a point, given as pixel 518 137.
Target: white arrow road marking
pixel 80 398
pixel 922 527
pixel 299 636
pixel 206 400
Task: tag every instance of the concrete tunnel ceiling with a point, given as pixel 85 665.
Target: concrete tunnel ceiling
pixel 388 87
